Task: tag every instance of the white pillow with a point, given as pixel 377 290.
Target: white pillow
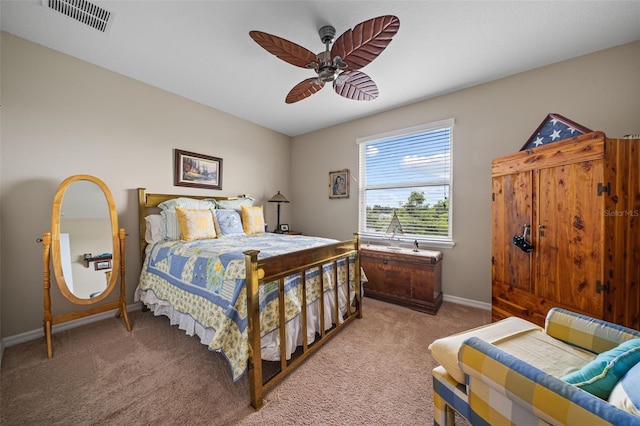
pixel 154 228
pixel 234 204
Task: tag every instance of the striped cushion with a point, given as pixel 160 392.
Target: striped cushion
pixel 505 390
pixel 585 332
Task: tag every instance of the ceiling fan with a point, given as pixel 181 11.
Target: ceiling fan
pixel 351 51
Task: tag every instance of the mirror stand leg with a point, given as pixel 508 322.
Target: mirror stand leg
pixel 46 284
pixel 47 334
pixel 122 312
pixel 123 297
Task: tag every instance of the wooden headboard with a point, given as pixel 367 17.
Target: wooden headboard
pixel 148 203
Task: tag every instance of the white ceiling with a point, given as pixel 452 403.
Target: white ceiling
pixel 201 50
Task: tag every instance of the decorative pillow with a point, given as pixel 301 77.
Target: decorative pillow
pixel 601 375
pixel 168 213
pixel 229 222
pixel 234 204
pixel 625 394
pixel 252 220
pixel 196 224
pixel 189 203
pixel 154 228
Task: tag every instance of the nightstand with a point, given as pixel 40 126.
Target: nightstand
pixel 402 276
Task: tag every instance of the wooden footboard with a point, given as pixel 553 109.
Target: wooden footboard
pixel 276 268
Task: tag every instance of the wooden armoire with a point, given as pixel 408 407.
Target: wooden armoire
pixel 580 200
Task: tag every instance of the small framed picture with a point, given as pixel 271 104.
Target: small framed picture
pixel 284 227
pixel 197 170
pixel 339 184
pixel 102 264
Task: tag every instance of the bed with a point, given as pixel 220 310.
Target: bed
pixel 241 290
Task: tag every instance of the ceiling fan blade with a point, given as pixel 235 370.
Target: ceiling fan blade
pixel 367 40
pixel 284 49
pixel 357 86
pixel 304 89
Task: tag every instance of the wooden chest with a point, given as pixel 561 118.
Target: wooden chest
pixel 402 276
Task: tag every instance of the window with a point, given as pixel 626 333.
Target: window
pixel 407 174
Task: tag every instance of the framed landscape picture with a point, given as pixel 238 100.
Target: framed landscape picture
pixel 197 170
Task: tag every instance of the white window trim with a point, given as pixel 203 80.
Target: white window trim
pixel 430 242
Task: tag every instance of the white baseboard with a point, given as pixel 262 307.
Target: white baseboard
pixel 467 302
pixel 36 334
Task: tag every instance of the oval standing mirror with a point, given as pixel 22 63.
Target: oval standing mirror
pixel 84 240
pixel 86 250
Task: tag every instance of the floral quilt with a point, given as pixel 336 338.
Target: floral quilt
pixel 206 279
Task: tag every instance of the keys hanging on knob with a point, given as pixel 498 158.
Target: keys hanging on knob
pixel 521 241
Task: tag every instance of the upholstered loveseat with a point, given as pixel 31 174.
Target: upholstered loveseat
pixel 514 372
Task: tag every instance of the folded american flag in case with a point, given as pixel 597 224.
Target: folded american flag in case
pixel 554 128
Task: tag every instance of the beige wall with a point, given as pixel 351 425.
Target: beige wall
pixel 600 91
pixel 63 117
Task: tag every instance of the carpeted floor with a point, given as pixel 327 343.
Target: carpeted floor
pixel 376 371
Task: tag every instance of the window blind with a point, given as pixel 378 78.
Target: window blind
pixel 407 174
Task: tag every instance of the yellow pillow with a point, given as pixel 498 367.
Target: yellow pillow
pixel 196 224
pixel 252 220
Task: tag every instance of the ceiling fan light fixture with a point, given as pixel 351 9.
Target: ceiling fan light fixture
pixel 328 74
pixel 354 49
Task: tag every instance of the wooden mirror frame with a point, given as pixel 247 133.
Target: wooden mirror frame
pixel 56 215
pixel 51 252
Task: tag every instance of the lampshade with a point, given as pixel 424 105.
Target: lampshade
pixel 278 198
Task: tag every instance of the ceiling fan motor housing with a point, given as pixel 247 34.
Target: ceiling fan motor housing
pixel 327 33
pixel 327 72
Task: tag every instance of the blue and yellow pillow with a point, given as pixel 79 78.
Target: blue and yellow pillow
pixel 229 222
pixel 196 224
pixel 252 220
pixel 603 373
pixel 170 218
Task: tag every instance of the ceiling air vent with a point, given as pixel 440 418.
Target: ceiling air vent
pixel 82 11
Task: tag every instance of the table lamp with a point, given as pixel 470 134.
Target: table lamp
pixel 278 198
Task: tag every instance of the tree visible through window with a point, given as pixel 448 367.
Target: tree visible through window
pixel 407 172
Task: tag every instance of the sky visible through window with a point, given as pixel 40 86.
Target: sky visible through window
pixel 401 165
